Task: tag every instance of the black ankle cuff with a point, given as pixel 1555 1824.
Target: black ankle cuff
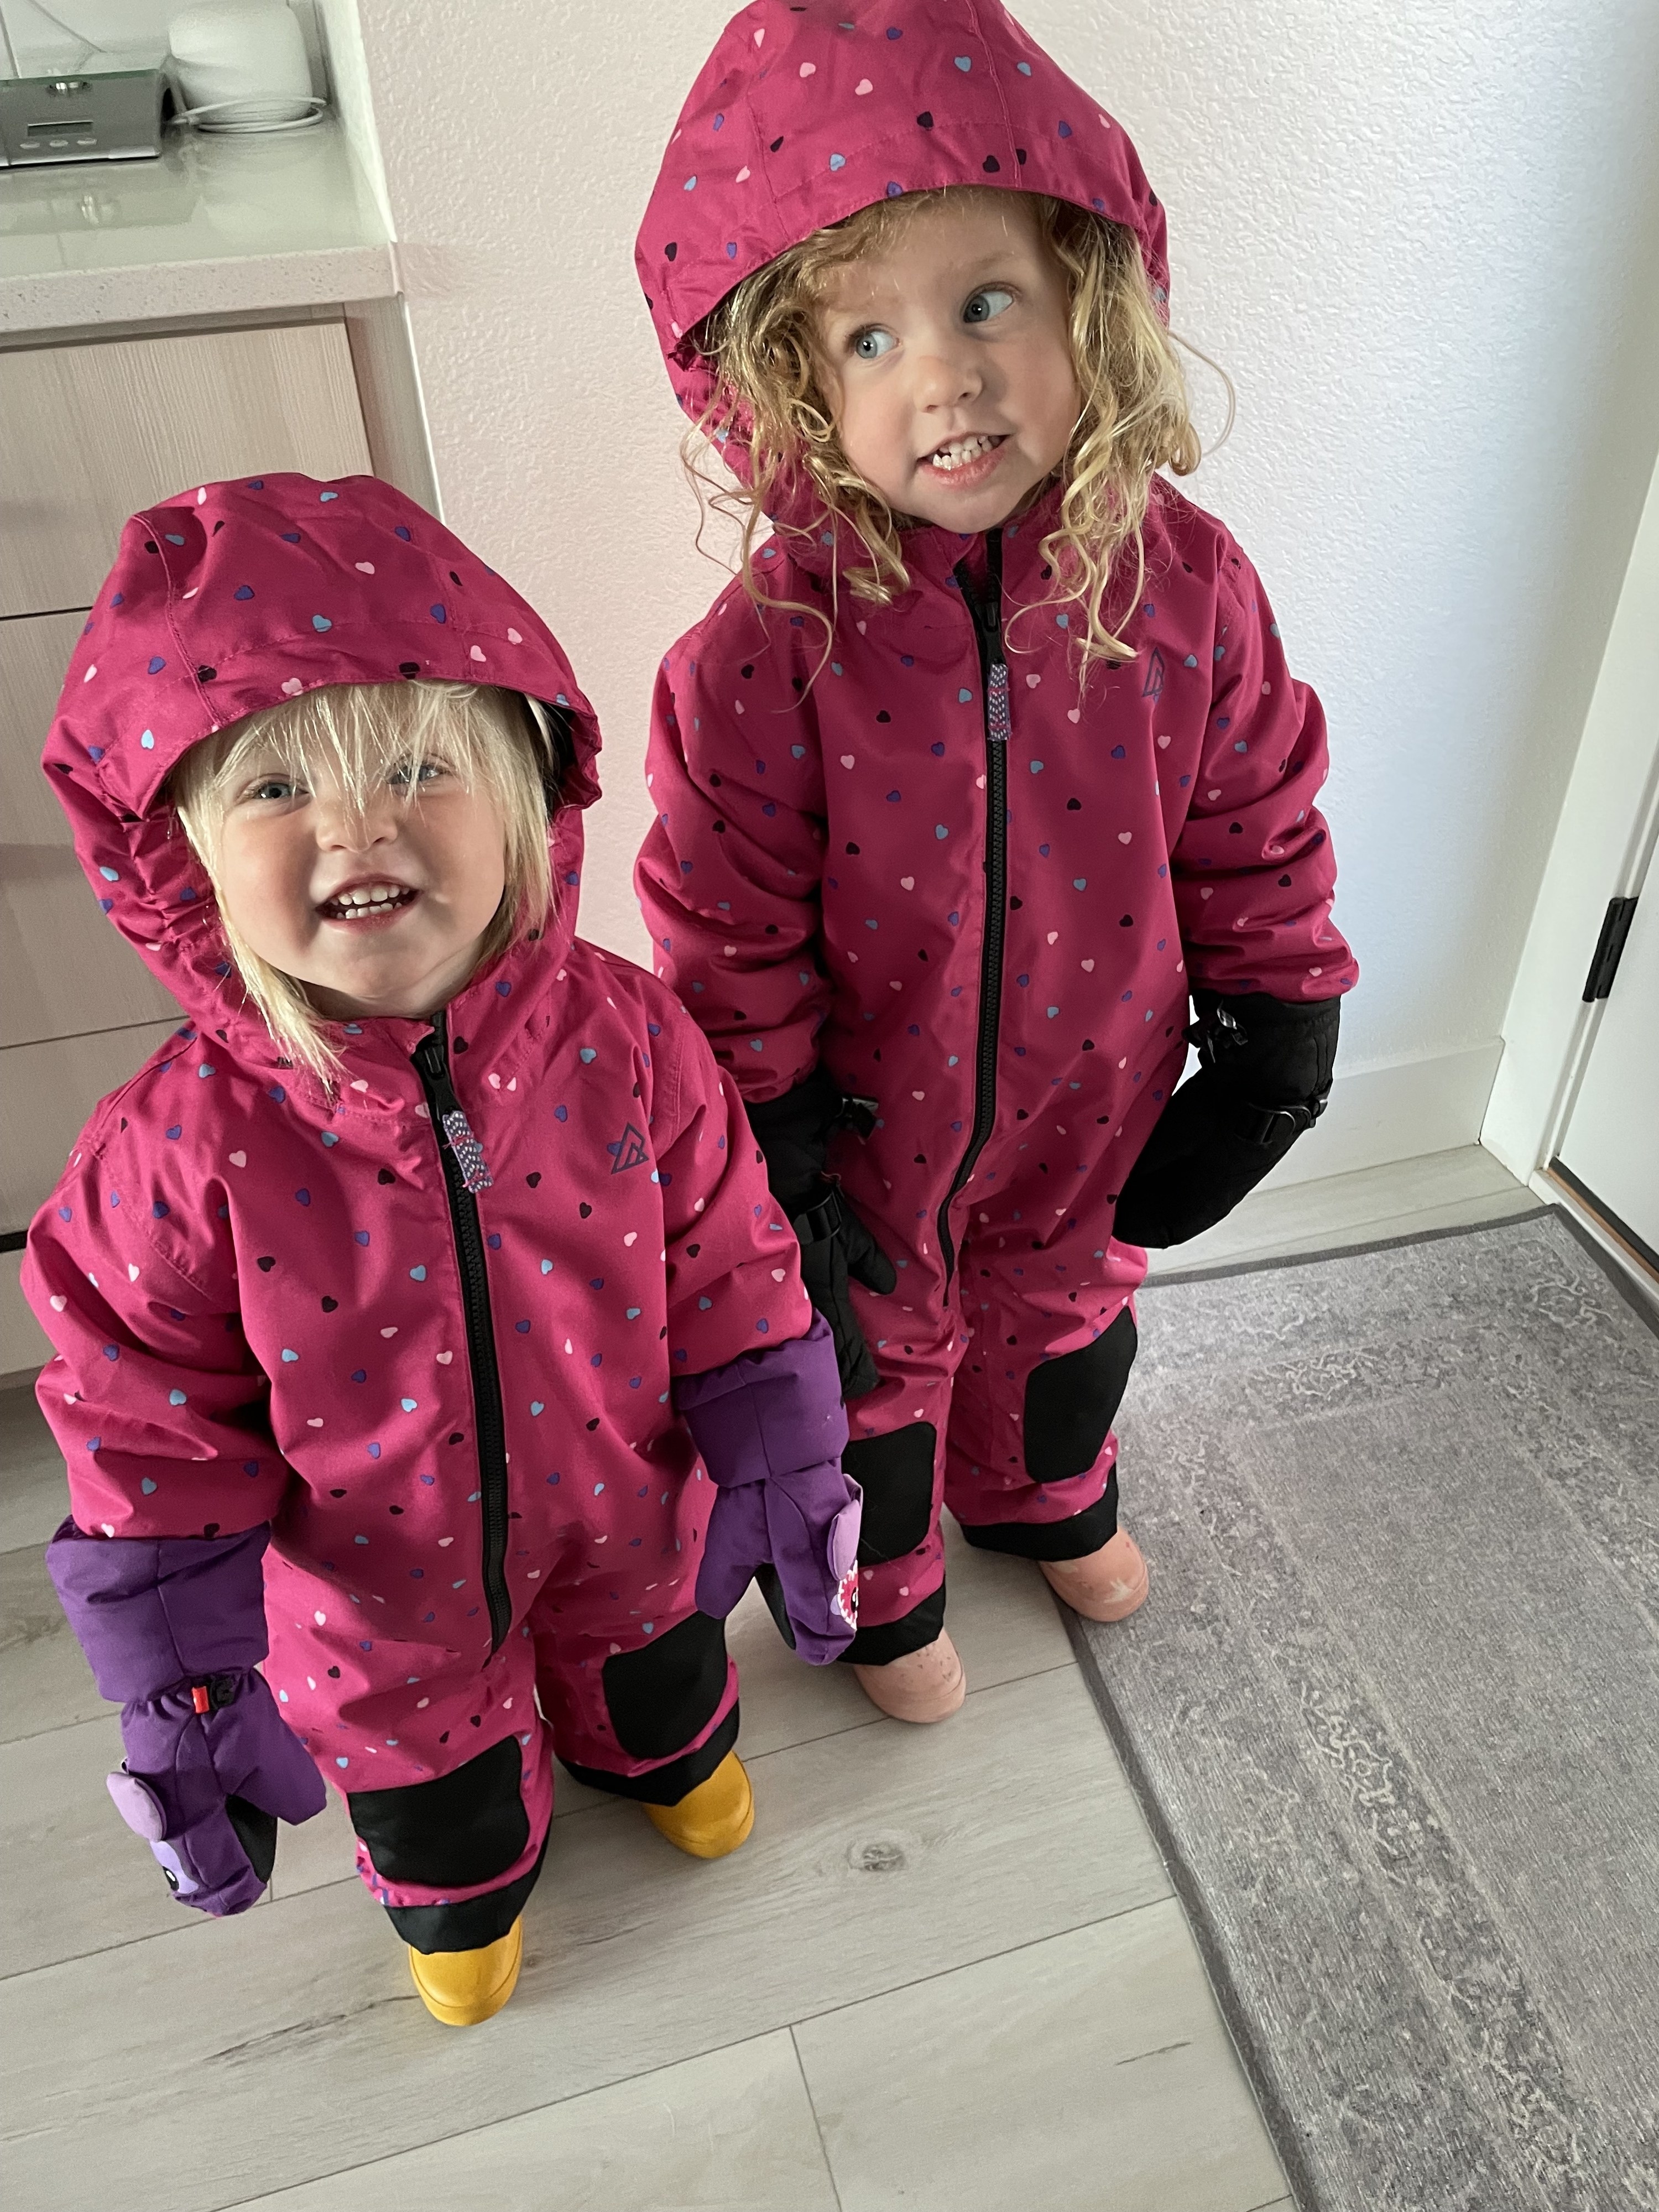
pixel 471 1924
pixel 876 1646
pixel 1075 1539
pixel 664 1785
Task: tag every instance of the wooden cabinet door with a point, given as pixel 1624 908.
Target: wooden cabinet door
pixel 88 433
pixel 47 1093
pixel 66 972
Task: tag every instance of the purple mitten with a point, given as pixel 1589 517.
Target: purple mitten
pixel 211 1769
pixel 171 1629
pixel 771 1428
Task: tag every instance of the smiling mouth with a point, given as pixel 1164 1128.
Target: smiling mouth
pixel 962 450
pixel 367 902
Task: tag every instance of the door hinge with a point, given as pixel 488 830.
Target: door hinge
pixel 1609 947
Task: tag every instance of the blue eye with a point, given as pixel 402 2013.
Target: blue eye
pixel 870 345
pixel 273 788
pixel 987 304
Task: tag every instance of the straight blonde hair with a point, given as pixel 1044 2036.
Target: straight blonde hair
pixel 760 345
pixel 494 740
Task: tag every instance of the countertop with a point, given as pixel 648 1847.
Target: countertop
pixel 213 225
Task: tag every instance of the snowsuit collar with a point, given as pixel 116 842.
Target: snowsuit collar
pixel 232 598
pixel 805 113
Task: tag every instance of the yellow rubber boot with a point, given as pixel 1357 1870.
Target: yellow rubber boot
pixel 712 1818
pixel 461 1988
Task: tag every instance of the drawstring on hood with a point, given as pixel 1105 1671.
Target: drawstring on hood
pixel 236 596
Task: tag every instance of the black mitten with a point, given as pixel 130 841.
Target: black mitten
pixel 1264 1075
pixel 835 1244
pixel 793 1134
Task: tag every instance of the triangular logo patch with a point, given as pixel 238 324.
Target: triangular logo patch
pixel 628 1150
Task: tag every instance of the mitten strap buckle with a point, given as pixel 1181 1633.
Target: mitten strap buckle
pixel 826 1217
pixel 1215 1035
pixel 1262 1125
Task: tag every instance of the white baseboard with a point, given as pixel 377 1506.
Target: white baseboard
pixel 1396 1111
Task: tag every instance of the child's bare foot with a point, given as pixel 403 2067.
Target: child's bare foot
pixel 1108 1584
pixel 928 1685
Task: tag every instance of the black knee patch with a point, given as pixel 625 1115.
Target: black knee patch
pixel 452 1831
pixel 1070 1402
pixel 661 1696
pixel 897 1474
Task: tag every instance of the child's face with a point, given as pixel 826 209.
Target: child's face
pixel 376 912
pixel 947 364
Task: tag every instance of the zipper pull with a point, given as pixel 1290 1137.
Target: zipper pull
pixel 997 722
pixel 468 1154
pixel 432 1058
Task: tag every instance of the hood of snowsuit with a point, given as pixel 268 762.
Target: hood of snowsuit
pixel 804 114
pixel 233 597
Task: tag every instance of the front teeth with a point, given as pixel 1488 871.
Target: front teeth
pixel 374 895
pixel 965 449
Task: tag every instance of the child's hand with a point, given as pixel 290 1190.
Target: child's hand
pixel 1264 1078
pixel 771 1430
pixel 174 1629
pixel 211 1769
pixel 793 1134
pixel 834 1246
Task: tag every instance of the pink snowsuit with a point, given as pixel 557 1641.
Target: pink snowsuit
pixel 454 1410
pixel 934 867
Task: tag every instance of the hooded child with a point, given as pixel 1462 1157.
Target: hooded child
pixel 985 773
pixel 433 1367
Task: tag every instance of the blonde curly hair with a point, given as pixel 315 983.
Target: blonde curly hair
pixel 760 346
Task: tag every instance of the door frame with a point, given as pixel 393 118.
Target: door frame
pixel 1602 849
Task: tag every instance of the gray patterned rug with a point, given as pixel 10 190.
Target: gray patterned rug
pixel 1393 1707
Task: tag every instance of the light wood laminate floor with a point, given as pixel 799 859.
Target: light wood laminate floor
pixel 948 1972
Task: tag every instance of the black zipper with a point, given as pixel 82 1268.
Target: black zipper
pixel 993 685
pixel 449 1122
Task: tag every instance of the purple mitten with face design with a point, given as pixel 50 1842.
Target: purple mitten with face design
pixel 172 1630
pixel 771 1428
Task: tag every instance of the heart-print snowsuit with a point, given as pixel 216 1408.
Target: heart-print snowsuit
pixel 271 1308
pixel 980 898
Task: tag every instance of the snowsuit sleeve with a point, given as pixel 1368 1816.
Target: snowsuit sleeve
pixel 729 874
pixel 731 1261
pixel 158 1406
pixel 1253 869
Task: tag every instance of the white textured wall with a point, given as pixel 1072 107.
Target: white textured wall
pixel 1420 235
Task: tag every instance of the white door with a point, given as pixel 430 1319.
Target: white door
pixel 1610 1146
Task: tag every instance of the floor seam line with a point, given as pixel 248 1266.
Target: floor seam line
pixel 817 2124
pixel 505 2119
